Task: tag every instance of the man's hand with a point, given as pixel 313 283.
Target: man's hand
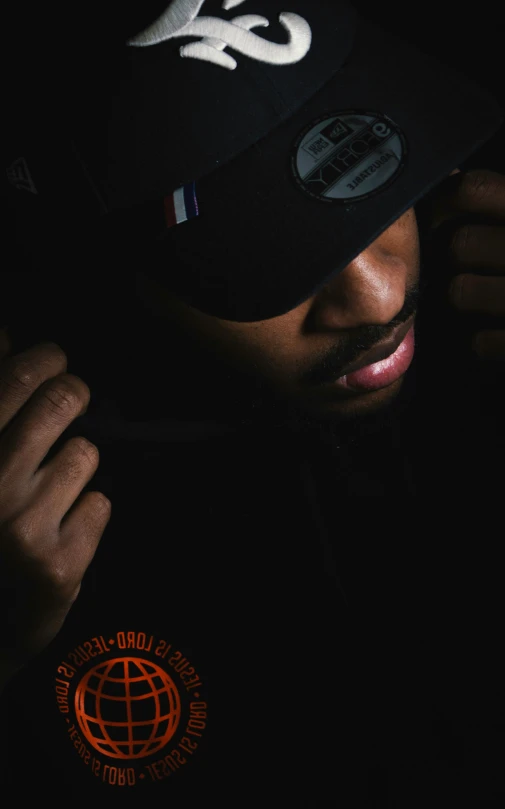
pixel 49 532
pixel 477 252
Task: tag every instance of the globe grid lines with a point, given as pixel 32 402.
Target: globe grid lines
pixel 147 673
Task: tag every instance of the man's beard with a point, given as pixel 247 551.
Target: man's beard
pixel 162 373
pixel 268 411
pixel 246 399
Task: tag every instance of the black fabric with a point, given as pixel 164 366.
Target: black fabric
pixel 348 652
pixel 288 245
pixel 318 688
pixel 128 135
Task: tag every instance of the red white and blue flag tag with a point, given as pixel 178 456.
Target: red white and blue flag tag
pixel 181 205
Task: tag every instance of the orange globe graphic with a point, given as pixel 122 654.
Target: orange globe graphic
pixel 127 708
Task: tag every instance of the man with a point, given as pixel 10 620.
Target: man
pixel 222 640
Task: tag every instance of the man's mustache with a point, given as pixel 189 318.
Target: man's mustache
pixel 356 341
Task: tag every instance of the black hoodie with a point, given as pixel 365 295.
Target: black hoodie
pixel 251 631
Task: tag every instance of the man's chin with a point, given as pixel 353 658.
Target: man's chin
pixel 349 421
pixel 331 403
pixel 350 427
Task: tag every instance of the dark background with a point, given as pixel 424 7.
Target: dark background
pixel 472 41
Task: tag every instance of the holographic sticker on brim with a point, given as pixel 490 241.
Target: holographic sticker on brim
pixel 348 156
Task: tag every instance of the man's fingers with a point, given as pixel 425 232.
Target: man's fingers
pixel 86 521
pixel 59 482
pixel 479 246
pixel 490 344
pixel 479 294
pixel 46 416
pixel 22 374
pixel 479 192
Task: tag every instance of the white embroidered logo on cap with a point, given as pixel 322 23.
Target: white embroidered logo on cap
pixel 181 19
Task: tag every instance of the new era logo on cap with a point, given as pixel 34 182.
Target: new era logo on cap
pixel 19 176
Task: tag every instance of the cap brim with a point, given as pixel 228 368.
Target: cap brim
pixel 261 246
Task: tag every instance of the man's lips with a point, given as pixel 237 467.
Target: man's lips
pixel 380 351
pixel 377 368
pixel 382 372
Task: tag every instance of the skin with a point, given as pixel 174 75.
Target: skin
pixel 39 516
pixel 357 308
pixel 49 528
pixel 259 370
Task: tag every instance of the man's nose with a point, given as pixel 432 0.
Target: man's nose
pixel 370 291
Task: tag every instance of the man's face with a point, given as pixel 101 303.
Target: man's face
pixel 290 367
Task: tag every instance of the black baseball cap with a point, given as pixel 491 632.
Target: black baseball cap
pixel 250 149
